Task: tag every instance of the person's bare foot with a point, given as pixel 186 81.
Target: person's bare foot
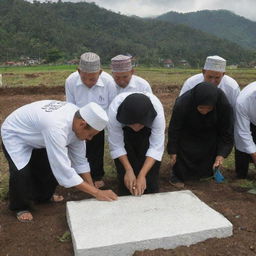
pixel 57 198
pixel 99 183
pixel 24 216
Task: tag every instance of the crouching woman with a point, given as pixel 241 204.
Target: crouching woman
pixel 200 133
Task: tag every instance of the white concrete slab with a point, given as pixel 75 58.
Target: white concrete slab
pixel 163 220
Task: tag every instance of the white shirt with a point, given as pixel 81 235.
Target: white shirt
pixel 136 84
pixel 116 136
pixel 101 93
pixel 47 124
pixel 245 114
pixel 227 84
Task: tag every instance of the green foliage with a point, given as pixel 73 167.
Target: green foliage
pixel 35 29
pixel 53 55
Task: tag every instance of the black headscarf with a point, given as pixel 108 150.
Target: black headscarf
pixel 136 109
pixel 205 94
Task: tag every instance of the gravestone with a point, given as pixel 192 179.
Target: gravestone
pixel 162 220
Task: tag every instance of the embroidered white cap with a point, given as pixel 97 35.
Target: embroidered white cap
pixel 121 63
pixel 89 62
pixel 215 63
pixel 94 115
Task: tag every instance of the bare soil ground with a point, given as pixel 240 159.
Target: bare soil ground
pixel 41 237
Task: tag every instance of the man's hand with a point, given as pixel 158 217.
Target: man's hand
pixel 218 162
pixel 141 185
pixel 102 195
pixel 105 195
pixel 173 158
pixel 130 181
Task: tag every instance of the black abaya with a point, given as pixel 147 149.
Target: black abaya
pixel 197 139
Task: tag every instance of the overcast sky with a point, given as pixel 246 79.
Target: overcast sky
pixel 145 8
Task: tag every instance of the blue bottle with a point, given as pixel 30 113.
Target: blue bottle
pixel 218 175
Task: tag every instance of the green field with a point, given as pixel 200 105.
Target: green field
pixel 55 76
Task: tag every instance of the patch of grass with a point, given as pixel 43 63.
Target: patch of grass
pixel 109 166
pixel 4 179
pixel 229 162
pixel 40 68
pixel 55 75
pixel 248 184
pixel 66 237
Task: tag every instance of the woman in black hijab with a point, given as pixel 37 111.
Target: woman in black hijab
pixel 136 138
pixel 200 132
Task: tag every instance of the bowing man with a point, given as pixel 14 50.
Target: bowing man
pixel 44 145
pixel 245 130
pixel 136 138
pixel 200 133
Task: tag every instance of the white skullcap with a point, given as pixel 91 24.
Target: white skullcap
pixel 121 63
pixel 94 115
pixel 89 62
pixel 215 63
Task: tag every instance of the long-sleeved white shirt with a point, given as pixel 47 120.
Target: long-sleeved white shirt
pixel 136 84
pixel 47 124
pixel 116 136
pixel 101 93
pixel 245 114
pixel 228 85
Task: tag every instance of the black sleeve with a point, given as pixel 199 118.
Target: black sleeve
pixel 175 126
pixel 225 126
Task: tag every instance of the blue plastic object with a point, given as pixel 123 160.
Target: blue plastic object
pixel 218 175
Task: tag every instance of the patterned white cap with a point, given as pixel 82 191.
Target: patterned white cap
pixel 94 115
pixel 215 63
pixel 89 62
pixel 121 63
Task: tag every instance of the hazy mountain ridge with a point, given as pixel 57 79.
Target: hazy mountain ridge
pixel 221 23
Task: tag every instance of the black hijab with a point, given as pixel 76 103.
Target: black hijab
pixel 136 109
pixel 205 94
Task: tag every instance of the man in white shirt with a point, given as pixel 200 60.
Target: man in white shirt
pixel 214 73
pixel 90 84
pixel 43 143
pixel 136 139
pixel 245 130
pixel 123 74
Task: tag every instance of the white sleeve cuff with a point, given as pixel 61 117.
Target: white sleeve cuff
pixel 251 149
pixel 157 155
pixel 82 168
pixel 71 182
pixel 118 152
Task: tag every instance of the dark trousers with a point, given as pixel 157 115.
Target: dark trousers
pixel 95 155
pixel 136 145
pixel 242 159
pixel 34 182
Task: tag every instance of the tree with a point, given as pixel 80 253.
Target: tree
pixel 53 55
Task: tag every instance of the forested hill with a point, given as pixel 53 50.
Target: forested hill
pixel 36 29
pixel 221 23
